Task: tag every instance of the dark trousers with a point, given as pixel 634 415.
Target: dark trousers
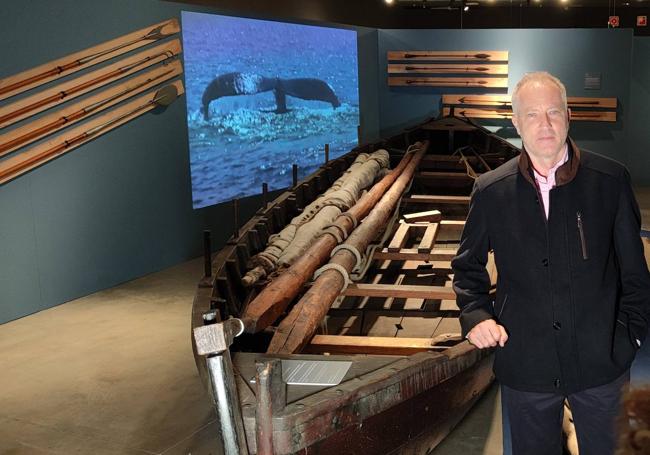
pixel 536 419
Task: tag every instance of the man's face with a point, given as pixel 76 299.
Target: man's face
pixel 542 121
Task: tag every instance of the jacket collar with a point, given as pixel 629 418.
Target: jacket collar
pixel 563 175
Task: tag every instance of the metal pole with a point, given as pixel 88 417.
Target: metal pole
pixel 214 341
pixel 327 153
pixel 226 401
pixel 235 205
pixel 271 400
pixel 207 254
pixel 294 168
pixel 265 195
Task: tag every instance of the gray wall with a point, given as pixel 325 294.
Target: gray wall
pixel 568 54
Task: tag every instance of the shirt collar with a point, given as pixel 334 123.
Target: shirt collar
pixel 551 172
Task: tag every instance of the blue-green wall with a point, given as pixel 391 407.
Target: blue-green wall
pixel 568 54
pixel 639 113
pixel 114 209
pixel 120 206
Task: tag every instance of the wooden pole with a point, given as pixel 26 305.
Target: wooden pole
pixel 63 143
pixel 274 298
pixel 69 64
pixel 63 92
pixel 64 118
pixel 295 331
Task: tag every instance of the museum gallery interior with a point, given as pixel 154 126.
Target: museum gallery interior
pixel 227 227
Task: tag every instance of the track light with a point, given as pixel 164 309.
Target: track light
pixel 389 2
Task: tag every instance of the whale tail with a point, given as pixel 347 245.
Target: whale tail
pixel 306 89
pixel 233 84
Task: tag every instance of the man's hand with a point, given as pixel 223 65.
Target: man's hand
pixel 487 334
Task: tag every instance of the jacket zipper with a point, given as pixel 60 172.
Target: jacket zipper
pixel 583 242
pixel 505 300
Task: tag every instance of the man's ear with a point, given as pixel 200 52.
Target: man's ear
pixel 515 122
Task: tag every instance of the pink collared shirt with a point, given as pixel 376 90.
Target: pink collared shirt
pixel 545 184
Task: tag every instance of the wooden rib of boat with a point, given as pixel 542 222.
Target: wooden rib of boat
pixel 411 377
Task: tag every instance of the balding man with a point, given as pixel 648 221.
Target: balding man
pixel 573 293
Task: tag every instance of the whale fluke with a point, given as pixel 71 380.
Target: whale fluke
pixel 234 84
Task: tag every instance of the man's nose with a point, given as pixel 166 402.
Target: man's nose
pixel 546 119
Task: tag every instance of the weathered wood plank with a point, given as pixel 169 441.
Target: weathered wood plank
pixel 410 254
pixel 405 291
pixel 455 225
pixel 399 239
pixel 377 345
pixel 432 199
pixel 431 216
pixel 429 238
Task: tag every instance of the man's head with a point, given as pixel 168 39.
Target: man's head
pixel 540 114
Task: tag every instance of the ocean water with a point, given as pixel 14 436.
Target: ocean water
pixel 245 142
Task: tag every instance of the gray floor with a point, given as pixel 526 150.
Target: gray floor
pixel 113 373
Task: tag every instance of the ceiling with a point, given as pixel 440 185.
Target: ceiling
pixel 420 14
pixel 610 4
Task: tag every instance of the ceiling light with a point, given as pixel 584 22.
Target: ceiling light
pixel 389 2
pixel 466 8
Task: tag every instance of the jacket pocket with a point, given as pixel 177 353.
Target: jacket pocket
pixel 581 232
pixel 631 338
pixel 623 349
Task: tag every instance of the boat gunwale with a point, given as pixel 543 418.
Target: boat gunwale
pixel 364 396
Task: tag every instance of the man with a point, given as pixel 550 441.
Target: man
pixel 573 291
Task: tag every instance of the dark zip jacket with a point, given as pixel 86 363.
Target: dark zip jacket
pixel 573 291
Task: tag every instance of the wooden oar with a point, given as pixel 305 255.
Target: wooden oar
pixel 443 83
pixel 412 81
pixel 163 97
pixel 435 55
pixel 78 88
pixel 483 56
pixel 466 69
pixel 36 133
pixel 50 71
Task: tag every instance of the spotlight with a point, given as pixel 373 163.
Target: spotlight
pixel 466 8
pixel 389 2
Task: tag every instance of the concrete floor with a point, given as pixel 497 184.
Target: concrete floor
pixel 113 373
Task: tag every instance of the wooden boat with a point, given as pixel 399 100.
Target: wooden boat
pixel 383 306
